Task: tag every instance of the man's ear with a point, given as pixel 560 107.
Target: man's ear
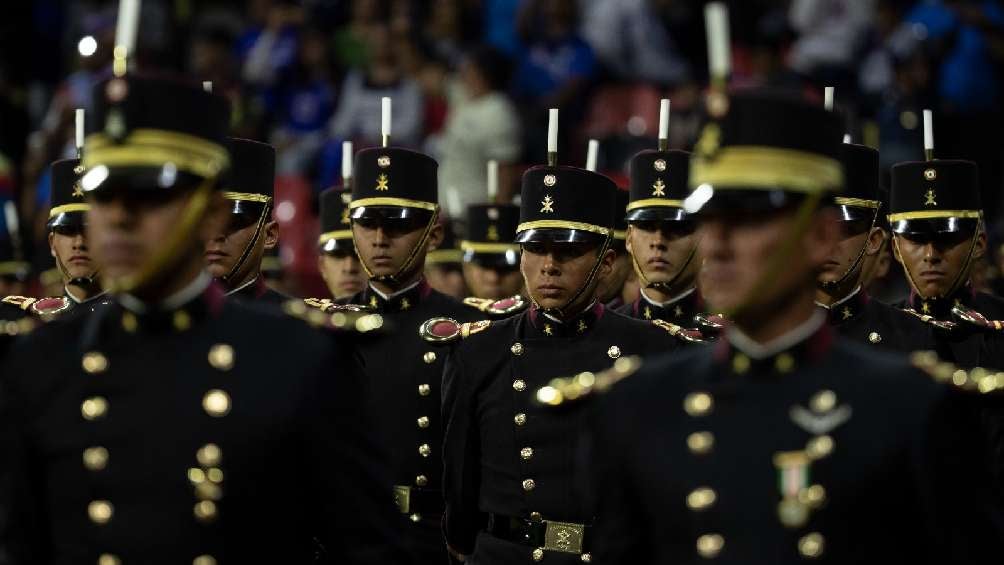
pixel 980 247
pixel 876 237
pixel 606 263
pixel 271 233
pixel 52 248
pixel 435 236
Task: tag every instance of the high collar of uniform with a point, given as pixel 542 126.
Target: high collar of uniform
pixel 199 300
pixel 78 302
pixel 400 301
pixel 679 310
pixel 253 289
pixel 545 325
pixel 941 308
pixel 802 345
pixel 847 308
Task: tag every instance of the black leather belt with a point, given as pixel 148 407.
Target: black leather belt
pixel 565 537
pixel 414 500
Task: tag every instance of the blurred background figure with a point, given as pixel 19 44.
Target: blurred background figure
pixel 444 264
pixel 336 257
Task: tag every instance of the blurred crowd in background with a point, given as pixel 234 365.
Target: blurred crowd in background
pixel 471 81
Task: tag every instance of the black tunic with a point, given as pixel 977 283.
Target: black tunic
pixel 503 456
pixel 161 437
pixel 258 291
pixel 863 319
pixel 680 312
pixel 695 453
pixel 403 374
pixel 967 346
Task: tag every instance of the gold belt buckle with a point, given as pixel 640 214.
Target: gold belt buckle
pixel 563 537
pixel 402 497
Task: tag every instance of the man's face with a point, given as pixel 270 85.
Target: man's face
pixel 125 229
pixel 491 281
pixel 448 279
pixel 342 273
pixel 738 247
pixel 68 245
pixel 225 249
pixel 661 248
pixel 384 245
pixel 554 272
pixel 855 236
pixel 935 260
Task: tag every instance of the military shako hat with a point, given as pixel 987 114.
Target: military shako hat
pixel 393 183
pixel 148 133
pixel 765 150
pixel 336 228
pixel 491 233
pixel 67 206
pixel 250 185
pixel 565 204
pixel 658 185
pixel 860 198
pixel 941 195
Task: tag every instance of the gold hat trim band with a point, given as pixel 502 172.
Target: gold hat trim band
pixel 13 267
pixel 480 247
pixel 79 207
pixel 337 234
pixel 649 202
pixel 767 168
pixel 934 214
pixel 248 196
pixel 620 234
pixel 562 225
pixel 444 256
pixel 154 148
pixel 857 202
pixel 386 201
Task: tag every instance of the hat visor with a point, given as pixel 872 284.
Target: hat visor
pixel 558 235
pixel 746 201
pixel 855 213
pixel 656 214
pixel 928 226
pixel 103 179
pixel 247 207
pixel 500 260
pixel 67 219
pixel 389 213
pixel 337 245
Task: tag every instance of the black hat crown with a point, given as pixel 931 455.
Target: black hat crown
pixel 67 205
pixel 336 227
pixel 394 177
pixel 941 190
pixel 658 185
pixel 576 201
pixel 861 177
pixel 252 171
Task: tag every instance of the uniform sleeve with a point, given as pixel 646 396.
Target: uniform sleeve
pixel 952 466
pixel 620 533
pixel 461 456
pixel 356 516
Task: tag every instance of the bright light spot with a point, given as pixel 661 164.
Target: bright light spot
pixel 697 199
pixel 87 45
pixel 94 177
pixel 636 126
pixel 285 211
pixel 168 175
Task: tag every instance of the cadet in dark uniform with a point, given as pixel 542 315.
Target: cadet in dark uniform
pixel 491 259
pixel 850 310
pixel 937 223
pixel 783 443
pixel 612 291
pixel 166 427
pixel 67 240
pixel 394 223
pixel 337 259
pixel 510 469
pixel 444 265
pixel 234 256
pixel 661 240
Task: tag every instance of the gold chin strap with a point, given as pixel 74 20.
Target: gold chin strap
pixel 88 283
pixel 803 220
pixel 170 253
pixel 262 220
pixel 665 287
pixel 960 278
pixel 833 285
pixel 395 279
pixel 559 312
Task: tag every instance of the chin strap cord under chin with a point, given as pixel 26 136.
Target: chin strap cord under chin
pixel 830 286
pixel 664 287
pixel 395 279
pixel 249 248
pixel 559 313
